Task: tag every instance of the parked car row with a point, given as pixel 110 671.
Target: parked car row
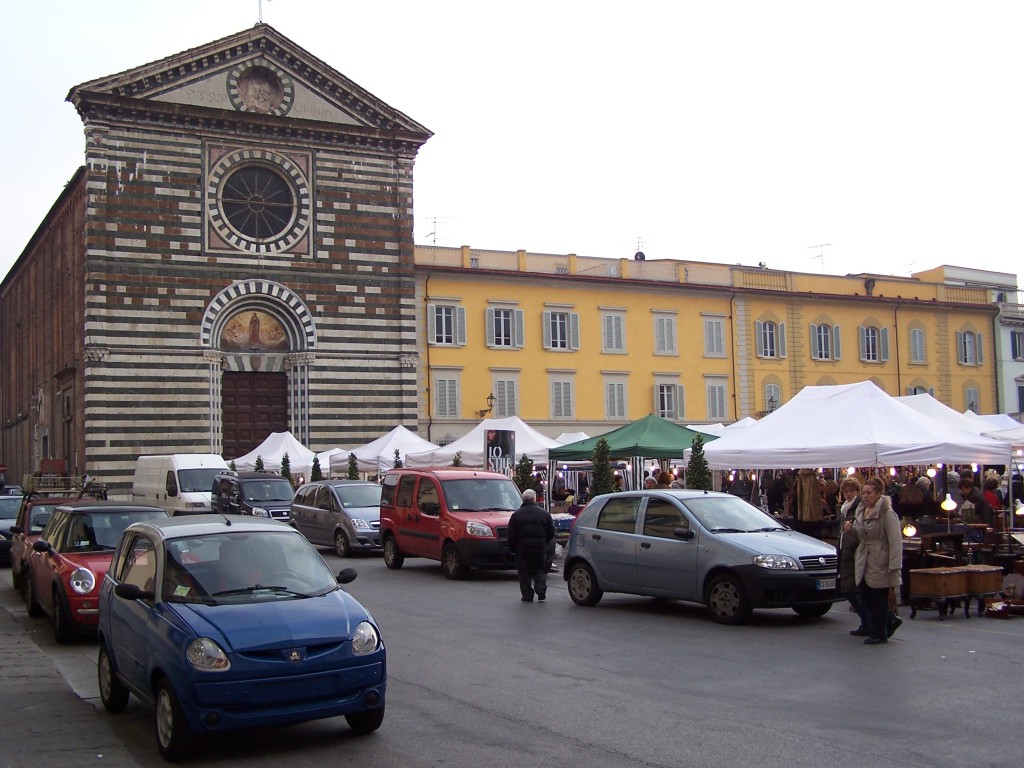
pixel 218 622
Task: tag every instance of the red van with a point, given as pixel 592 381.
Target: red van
pixel 456 515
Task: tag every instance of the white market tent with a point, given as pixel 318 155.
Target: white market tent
pixel 850 424
pixel 471 445
pixel 378 456
pixel 273 449
pixel 929 406
pixel 571 437
pixel 993 420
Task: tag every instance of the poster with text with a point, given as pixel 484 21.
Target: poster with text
pixel 500 450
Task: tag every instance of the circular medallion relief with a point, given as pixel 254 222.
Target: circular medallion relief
pixel 258 201
pixel 261 87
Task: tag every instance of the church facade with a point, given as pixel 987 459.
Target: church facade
pixel 234 258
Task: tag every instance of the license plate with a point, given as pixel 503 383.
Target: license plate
pixel 826 583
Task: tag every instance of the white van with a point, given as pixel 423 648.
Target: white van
pixel 178 482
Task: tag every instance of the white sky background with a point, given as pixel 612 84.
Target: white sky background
pixel 734 131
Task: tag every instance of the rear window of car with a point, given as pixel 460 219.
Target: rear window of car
pixel 619 514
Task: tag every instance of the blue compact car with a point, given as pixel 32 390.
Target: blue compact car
pixel 224 622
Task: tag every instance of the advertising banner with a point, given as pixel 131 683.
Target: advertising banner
pixel 500 450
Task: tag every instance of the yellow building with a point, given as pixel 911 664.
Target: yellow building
pixel 571 343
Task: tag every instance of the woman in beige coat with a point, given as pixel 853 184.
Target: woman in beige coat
pixel 879 558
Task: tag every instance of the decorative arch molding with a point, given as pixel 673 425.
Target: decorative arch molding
pixel 826 381
pixel 265 295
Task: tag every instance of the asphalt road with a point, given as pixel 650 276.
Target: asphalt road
pixel 478 678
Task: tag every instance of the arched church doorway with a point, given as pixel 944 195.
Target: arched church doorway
pixel 260 339
pixel 254 401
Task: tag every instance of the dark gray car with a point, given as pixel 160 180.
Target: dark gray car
pixel 703 547
pixel 344 514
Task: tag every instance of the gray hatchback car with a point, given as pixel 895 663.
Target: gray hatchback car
pixel 702 547
pixel 344 514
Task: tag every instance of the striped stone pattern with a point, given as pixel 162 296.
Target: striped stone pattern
pixel 154 293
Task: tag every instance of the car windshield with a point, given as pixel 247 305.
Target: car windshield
pixel 100 530
pixel 481 494
pixel 9 506
pixel 244 567
pixel 359 495
pixel 267 490
pixel 192 480
pixel 729 514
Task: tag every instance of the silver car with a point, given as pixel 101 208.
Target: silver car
pixel 703 547
pixel 344 514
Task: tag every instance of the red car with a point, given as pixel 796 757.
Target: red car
pixel 32 518
pixel 71 557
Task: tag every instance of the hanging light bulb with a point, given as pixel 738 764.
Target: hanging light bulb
pixel 948 504
pixel 931 472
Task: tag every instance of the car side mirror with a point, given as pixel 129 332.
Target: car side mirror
pixel 686 534
pixel 15 529
pixel 346 575
pixel 41 545
pixel 430 508
pixel 132 592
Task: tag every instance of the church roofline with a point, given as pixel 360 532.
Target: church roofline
pixel 261 38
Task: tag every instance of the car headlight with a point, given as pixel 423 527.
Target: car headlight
pixel 474 528
pixel 358 522
pixel 365 639
pixel 82 581
pixel 203 653
pixel 260 512
pixel 777 562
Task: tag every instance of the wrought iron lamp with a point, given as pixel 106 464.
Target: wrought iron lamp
pixel 491 400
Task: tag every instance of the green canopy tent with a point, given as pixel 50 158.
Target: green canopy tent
pixel 651 437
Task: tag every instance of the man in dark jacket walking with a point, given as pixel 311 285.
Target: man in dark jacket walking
pixel 529 530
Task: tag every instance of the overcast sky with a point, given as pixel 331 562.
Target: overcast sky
pixel 738 131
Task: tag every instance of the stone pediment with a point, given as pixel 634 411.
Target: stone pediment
pixel 258 72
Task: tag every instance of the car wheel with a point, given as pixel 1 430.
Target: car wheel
pixel 583 587
pixel 366 722
pixel 62 629
pixel 341 545
pixel 812 611
pixel 34 609
pixel 173 737
pixel 113 695
pixel 393 557
pixel 451 562
pixel 726 601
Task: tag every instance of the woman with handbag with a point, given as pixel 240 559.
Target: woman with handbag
pixel 879 558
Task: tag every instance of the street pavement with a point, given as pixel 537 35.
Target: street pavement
pixel 50 719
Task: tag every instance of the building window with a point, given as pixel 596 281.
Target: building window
pixel 772 397
pixel 874 344
pixel 770 338
pixel 971 401
pixel 1017 345
pixel 824 342
pixel 716 399
pixel 917 347
pixel 613 333
pixel 561 330
pixel 446 324
pixel 665 335
pixel 669 402
pixel 562 406
pixel 714 337
pixel 968 348
pixel 505 328
pixel 615 400
pixel 505 398
pixel 446 394
pixel 258 201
